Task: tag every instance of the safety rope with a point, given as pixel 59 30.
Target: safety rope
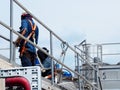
pixel 64 48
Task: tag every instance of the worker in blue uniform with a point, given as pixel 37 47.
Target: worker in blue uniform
pixel 29 30
pixel 45 60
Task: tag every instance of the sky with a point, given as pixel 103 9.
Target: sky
pixel 96 21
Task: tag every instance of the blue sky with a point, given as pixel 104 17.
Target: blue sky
pixel 97 21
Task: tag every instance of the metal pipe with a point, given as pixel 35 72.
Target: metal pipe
pixel 5 38
pixel 51 53
pixel 110 44
pixel 78 66
pixel 53 58
pixel 11 33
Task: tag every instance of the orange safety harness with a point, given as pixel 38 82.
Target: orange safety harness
pixel 23 49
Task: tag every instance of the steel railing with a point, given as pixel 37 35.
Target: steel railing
pixel 51 34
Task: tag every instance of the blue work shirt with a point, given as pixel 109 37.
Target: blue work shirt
pixel 25 25
pixel 47 62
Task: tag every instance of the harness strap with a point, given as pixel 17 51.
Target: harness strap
pixel 33 29
pixel 32 26
pixel 32 32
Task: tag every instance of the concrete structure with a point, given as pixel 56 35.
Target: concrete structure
pixel 4 64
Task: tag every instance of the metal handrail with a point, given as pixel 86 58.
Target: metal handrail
pixel 46 27
pixel 53 58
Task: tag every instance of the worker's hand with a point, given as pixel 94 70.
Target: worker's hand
pixel 16 44
pixel 48 77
